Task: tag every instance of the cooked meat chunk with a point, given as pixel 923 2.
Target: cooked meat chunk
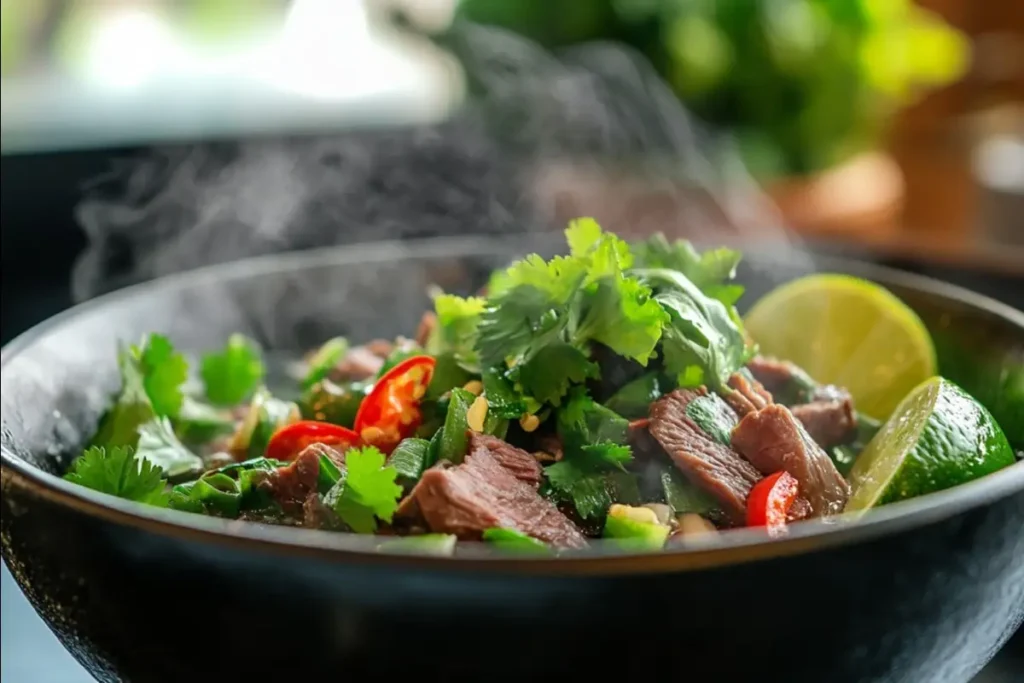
pixel 830 423
pixel 826 411
pixel 747 395
pixel 426 328
pixel 708 463
pixel 480 494
pixel 362 362
pixel 291 485
pixel 518 462
pixel 772 439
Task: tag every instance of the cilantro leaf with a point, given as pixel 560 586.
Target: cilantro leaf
pixel 323 360
pixel 456 329
pixel 164 371
pixel 231 375
pixel 713 267
pixel 702 343
pixel 368 490
pixel 623 316
pixel 118 472
pixel 549 374
pixel 159 446
pixel 595 456
pixel 584 476
pixel 120 425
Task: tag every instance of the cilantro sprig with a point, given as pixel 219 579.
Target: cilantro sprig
pixel 118 471
pixel 234 373
pixel 367 491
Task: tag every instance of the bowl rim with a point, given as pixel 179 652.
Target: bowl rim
pixel 739 546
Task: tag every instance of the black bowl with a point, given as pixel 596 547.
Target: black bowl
pixel 925 590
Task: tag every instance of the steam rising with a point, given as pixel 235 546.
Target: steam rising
pixel 538 147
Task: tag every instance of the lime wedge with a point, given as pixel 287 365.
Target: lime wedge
pixel 938 437
pixel 846 331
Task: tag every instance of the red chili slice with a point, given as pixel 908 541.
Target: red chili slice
pixel 769 502
pixel 288 441
pixel 391 411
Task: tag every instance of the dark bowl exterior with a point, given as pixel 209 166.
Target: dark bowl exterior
pixel 926 596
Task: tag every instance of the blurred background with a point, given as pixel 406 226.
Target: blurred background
pixel 142 137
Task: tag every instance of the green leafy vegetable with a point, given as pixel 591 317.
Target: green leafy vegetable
pixel 633 400
pixel 448 374
pixel 592 469
pixel 682 496
pixel 231 375
pixel 368 490
pixel 515 541
pixel 713 416
pixel 271 414
pixel 409 459
pixel 118 472
pixel 702 344
pixel 151 378
pixel 503 400
pixel 556 367
pixel 456 329
pixel 713 267
pixel 164 371
pixel 159 445
pixel 324 360
pixel 199 422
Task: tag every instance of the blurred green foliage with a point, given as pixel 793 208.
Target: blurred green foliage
pixel 804 84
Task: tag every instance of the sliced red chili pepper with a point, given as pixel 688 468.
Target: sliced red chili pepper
pixel 288 441
pixel 391 411
pixel 769 501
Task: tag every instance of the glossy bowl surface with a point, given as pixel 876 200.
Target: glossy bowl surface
pixel 926 588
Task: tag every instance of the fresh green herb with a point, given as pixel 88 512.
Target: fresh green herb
pixel 633 400
pixel 118 472
pixel 448 374
pixel 164 371
pixel 367 492
pixel 270 415
pixel 515 541
pixel 583 422
pixel 231 375
pixel 409 459
pixel 455 332
pixel 702 344
pixel 199 422
pixel 711 268
pixel 541 316
pixel 682 496
pixel 714 417
pixel 583 476
pixel 151 378
pixel 503 400
pixel 553 370
pixel 454 437
pixel 159 445
pixel 324 360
